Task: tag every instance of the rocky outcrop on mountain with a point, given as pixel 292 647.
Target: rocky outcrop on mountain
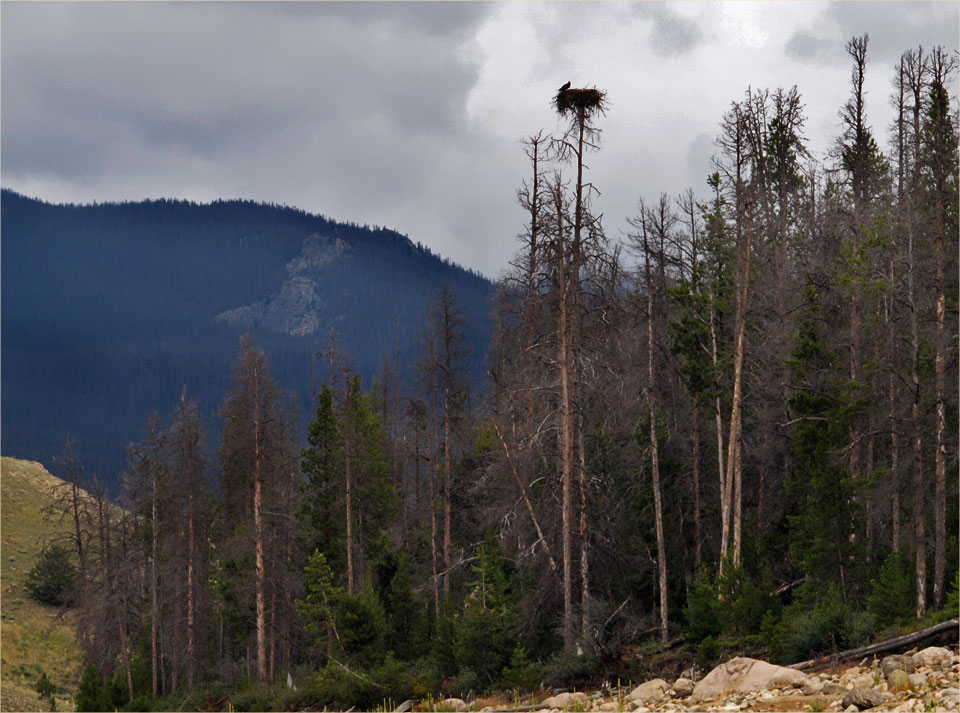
pixel 296 308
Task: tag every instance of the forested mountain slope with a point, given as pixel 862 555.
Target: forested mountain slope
pixel 110 310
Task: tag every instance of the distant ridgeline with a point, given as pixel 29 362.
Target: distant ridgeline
pixel 109 310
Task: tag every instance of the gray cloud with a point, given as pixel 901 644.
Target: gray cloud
pixel 894 27
pixel 806 46
pixel 670 33
pixel 699 155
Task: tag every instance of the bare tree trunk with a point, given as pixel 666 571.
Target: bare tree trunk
pixel 349 508
pixel 894 445
pixel 566 462
pixel 915 72
pixel 696 483
pixel 273 633
pixel 258 530
pixel 584 544
pixel 191 600
pixel 154 608
pixel 447 545
pixel 718 417
pixel 434 473
pixel 734 461
pixel 526 499
pixel 654 451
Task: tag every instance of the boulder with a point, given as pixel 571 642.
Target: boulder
pixel 451 704
pixel 682 687
pixel 813 686
pixel 832 688
pixel 897 662
pixel 566 701
pixel 864 680
pixel 655 690
pixel 898 680
pixel 746 675
pixel 862 697
pixel 933 655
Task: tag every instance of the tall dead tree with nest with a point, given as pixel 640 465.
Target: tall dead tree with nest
pixel 581 107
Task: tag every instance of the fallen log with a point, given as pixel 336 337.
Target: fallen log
pixel 881 647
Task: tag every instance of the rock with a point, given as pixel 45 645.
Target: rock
pixel 451 704
pixel 610 706
pixel 683 687
pixel 952 692
pixel 933 655
pixel 831 688
pixel 746 675
pixel 862 697
pixel 897 663
pixel 917 680
pixel 637 707
pixel 405 706
pixel 566 701
pixel 898 680
pixel 813 686
pixel 851 709
pixel 655 690
pixel 864 680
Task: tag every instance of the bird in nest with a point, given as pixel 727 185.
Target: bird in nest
pixel 564 88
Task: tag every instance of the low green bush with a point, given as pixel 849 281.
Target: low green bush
pixel 817 624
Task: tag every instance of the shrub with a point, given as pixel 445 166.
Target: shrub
pixel 702 614
pixel 569 670
pixel 45 688
pixel 708 653
pixel 53 577
pixel 891 591
pixel 340 690
pixel 521 673
pixel 818 624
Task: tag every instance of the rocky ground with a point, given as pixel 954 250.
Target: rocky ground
pixel 925 680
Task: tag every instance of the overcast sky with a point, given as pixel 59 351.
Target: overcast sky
pixel 410 115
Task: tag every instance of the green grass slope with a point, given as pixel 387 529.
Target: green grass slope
pixel 33 638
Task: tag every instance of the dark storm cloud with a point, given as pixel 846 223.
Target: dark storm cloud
pixel 894 27
pixel 805 46
pixel 435 18
pixel 670 33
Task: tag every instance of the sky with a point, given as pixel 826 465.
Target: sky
pixel 411 115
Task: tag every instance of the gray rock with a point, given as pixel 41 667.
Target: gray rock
pixel 566 701
pixel 933 655
pixel 682 687
pixel 655 690
pixel 862 697
pixel 898 680
pixel 831 688
pixel 813 686
pixel 917 680
pixel 897 662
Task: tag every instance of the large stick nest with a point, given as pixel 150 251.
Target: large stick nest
pixel 589 101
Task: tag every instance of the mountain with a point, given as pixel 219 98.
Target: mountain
pixel 109 310
pixel 36 638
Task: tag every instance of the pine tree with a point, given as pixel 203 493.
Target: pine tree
pixel 826 544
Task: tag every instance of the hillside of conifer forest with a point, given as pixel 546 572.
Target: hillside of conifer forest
pixel 731 431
